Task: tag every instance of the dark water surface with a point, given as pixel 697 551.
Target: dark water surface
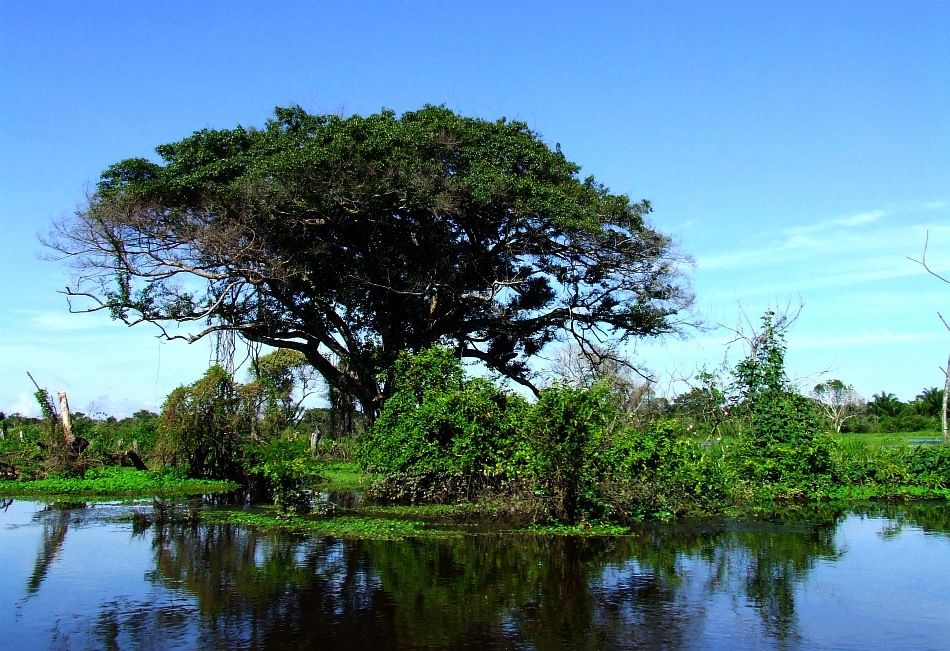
pixel 81 577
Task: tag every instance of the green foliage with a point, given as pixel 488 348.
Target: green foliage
pixel 891 469
pixel 660 472
pixel 905 418
pixel 705 404
pixel 764 368
pixel 561 431
pixel 203 427
pixel 114 481
pixel 372 526
pixel 141 430
pixel 40 452
pixel 784 444
pixel 885 405
pixel 929 466
pixel 929 403
pixel 374 235
pixel 46 404
pixel 344 477
pixel 438 421
pixel 285 379
pixel 288 470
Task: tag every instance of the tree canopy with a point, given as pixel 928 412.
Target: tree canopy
pixel 353 239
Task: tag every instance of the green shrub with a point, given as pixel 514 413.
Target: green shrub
pixel 438 421
pixel 288 470
pixel 929 466
pixel 203 427
pixel 563 432
pixel 784 445
pixel 660 472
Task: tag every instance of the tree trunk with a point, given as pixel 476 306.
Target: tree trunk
pixel 946 384
pixel 946 395
pixel 64 415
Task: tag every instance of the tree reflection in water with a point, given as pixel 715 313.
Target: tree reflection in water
pixel 56 519
pixel 708 585
pixel 241 588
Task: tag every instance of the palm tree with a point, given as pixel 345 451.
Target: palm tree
pixel 929 402
pixel 885 404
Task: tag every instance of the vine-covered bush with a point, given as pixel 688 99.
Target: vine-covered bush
pixel 439 421
pixel 563 430
pixel 784 446
pixel 662 471
pixel 930 466
pixel 203 427
pixel 287 468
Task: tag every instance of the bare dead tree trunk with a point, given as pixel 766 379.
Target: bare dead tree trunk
pixel 946 385
pixel 64 416
pixel 946 389
pixel 946 394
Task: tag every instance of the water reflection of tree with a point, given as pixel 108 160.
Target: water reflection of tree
pixel 931 517
pixel 259 591
pixel 495 589
pixel 56 519
pixel 144 625
pixel 648 599
pixel 768 565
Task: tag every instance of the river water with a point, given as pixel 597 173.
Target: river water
pixel 83 576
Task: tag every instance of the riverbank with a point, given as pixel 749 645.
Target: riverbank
pixel 341 512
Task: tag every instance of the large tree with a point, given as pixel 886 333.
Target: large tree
pixel 352 239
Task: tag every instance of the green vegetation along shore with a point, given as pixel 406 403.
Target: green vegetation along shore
pixel 449 453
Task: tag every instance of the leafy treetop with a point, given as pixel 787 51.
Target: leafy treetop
pixel 353 239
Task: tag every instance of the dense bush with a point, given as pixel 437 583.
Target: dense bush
pixel 784 448
pixel 930 466
pixel 562 433
pixel 439 421
pixel 285 468
pixel 661 472
pixel 203 428
pixel 574 454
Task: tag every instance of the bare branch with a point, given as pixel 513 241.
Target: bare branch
pixel 923 261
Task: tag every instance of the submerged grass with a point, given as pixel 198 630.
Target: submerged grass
pixel 398 522
pixel 359 525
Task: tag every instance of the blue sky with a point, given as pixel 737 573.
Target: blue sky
pixel 799 151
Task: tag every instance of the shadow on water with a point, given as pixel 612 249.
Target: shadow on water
pixel 224 586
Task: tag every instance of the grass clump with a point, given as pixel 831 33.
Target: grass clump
pixel 368 525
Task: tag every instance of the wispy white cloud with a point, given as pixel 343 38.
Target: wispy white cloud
pixel 845 221
pixel 860 219
pixel 867 239
pixel 733 259
pixel 802 242
pixel 881 337
pixel 25 405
